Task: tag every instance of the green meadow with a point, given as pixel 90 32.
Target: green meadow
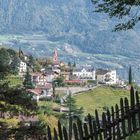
pixel 100 98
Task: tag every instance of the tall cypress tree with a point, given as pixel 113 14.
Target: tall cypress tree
pixel 130 76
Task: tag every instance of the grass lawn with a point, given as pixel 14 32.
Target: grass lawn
pixel 98 98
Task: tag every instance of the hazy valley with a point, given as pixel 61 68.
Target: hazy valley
pixel 70 26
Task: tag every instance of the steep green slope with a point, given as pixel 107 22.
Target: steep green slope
pixel 99 98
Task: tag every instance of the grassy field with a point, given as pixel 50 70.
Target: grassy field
pixel 99 98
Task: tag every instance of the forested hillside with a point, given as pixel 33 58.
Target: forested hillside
pixel 72 27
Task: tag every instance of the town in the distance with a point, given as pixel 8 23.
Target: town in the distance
pixel 53 72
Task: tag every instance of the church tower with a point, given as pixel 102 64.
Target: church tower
pixel 55 57
pixel 56 65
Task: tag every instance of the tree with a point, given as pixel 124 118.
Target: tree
pixel 28 84
pixel 15 65
pixel 125 10
pixel 14 102
pixel 16 96
pixel 12 53
pixel 4 62
pixel 130 76
pixel 36 66
pixel 31 60
pixel 73 112
pixel 59 81
pixel 34 63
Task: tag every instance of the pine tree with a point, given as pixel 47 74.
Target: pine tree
pixel 28 84
pixel 130 76
pixel 73 113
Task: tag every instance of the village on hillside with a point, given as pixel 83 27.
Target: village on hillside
pixel 38 95
pixel 61 74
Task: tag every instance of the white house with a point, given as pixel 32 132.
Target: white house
pixel 42 93
pixel 39 79
pixel 84 74
pixel 22 68
pixel 108 77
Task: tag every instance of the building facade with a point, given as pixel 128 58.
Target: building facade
pixel 22 68
pixel 84 74
pixel 42 92
pixel 108 77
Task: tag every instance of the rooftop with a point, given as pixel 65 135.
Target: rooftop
pixel 82 68
pixel 101 71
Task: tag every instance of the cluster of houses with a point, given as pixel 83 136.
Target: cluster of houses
pixel 43 80
pixel 101 76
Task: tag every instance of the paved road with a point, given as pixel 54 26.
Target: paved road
pixel 74 89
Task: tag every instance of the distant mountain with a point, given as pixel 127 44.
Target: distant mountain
pixel 73 28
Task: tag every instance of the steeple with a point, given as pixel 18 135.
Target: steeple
pixel 55 57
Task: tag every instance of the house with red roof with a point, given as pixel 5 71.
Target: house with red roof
pixel 43 88
pixel 42 92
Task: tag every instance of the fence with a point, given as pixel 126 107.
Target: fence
pixel 119 123
pixel 116 124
